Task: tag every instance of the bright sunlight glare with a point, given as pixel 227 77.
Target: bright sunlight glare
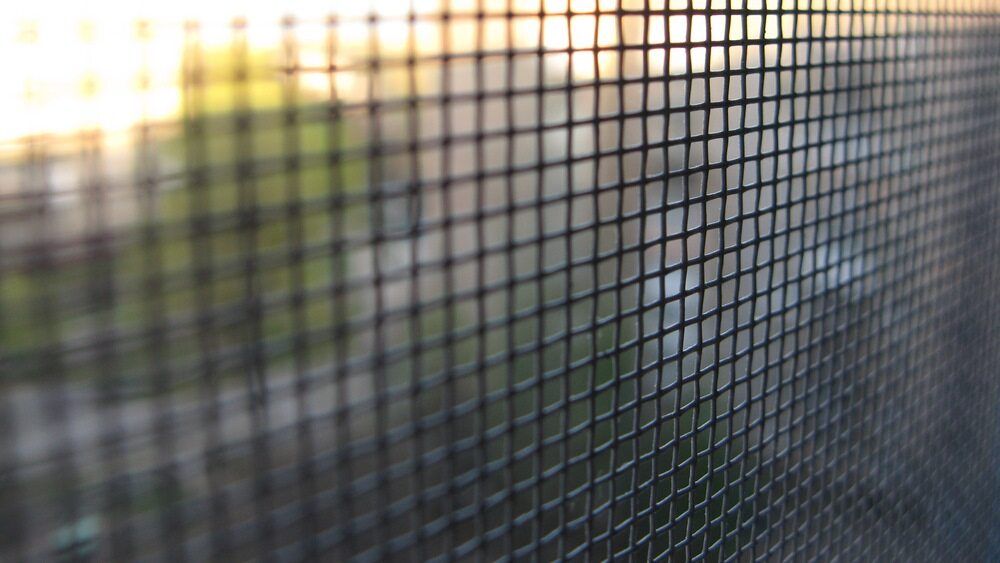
pixel 109 64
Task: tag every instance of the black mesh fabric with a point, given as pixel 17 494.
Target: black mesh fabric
pixel 513 279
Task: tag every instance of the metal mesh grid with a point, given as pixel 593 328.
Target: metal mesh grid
pixel 515 280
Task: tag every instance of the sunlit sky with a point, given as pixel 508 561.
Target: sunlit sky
pixel 71 64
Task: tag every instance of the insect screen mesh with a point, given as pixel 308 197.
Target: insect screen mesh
pixel 495 279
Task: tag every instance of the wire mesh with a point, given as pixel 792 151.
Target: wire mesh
pixel 503 279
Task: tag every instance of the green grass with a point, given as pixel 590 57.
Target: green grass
pixel 240 228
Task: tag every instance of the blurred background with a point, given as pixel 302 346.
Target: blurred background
pixel 486 278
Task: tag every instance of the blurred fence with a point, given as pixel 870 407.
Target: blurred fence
pixel 502 279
